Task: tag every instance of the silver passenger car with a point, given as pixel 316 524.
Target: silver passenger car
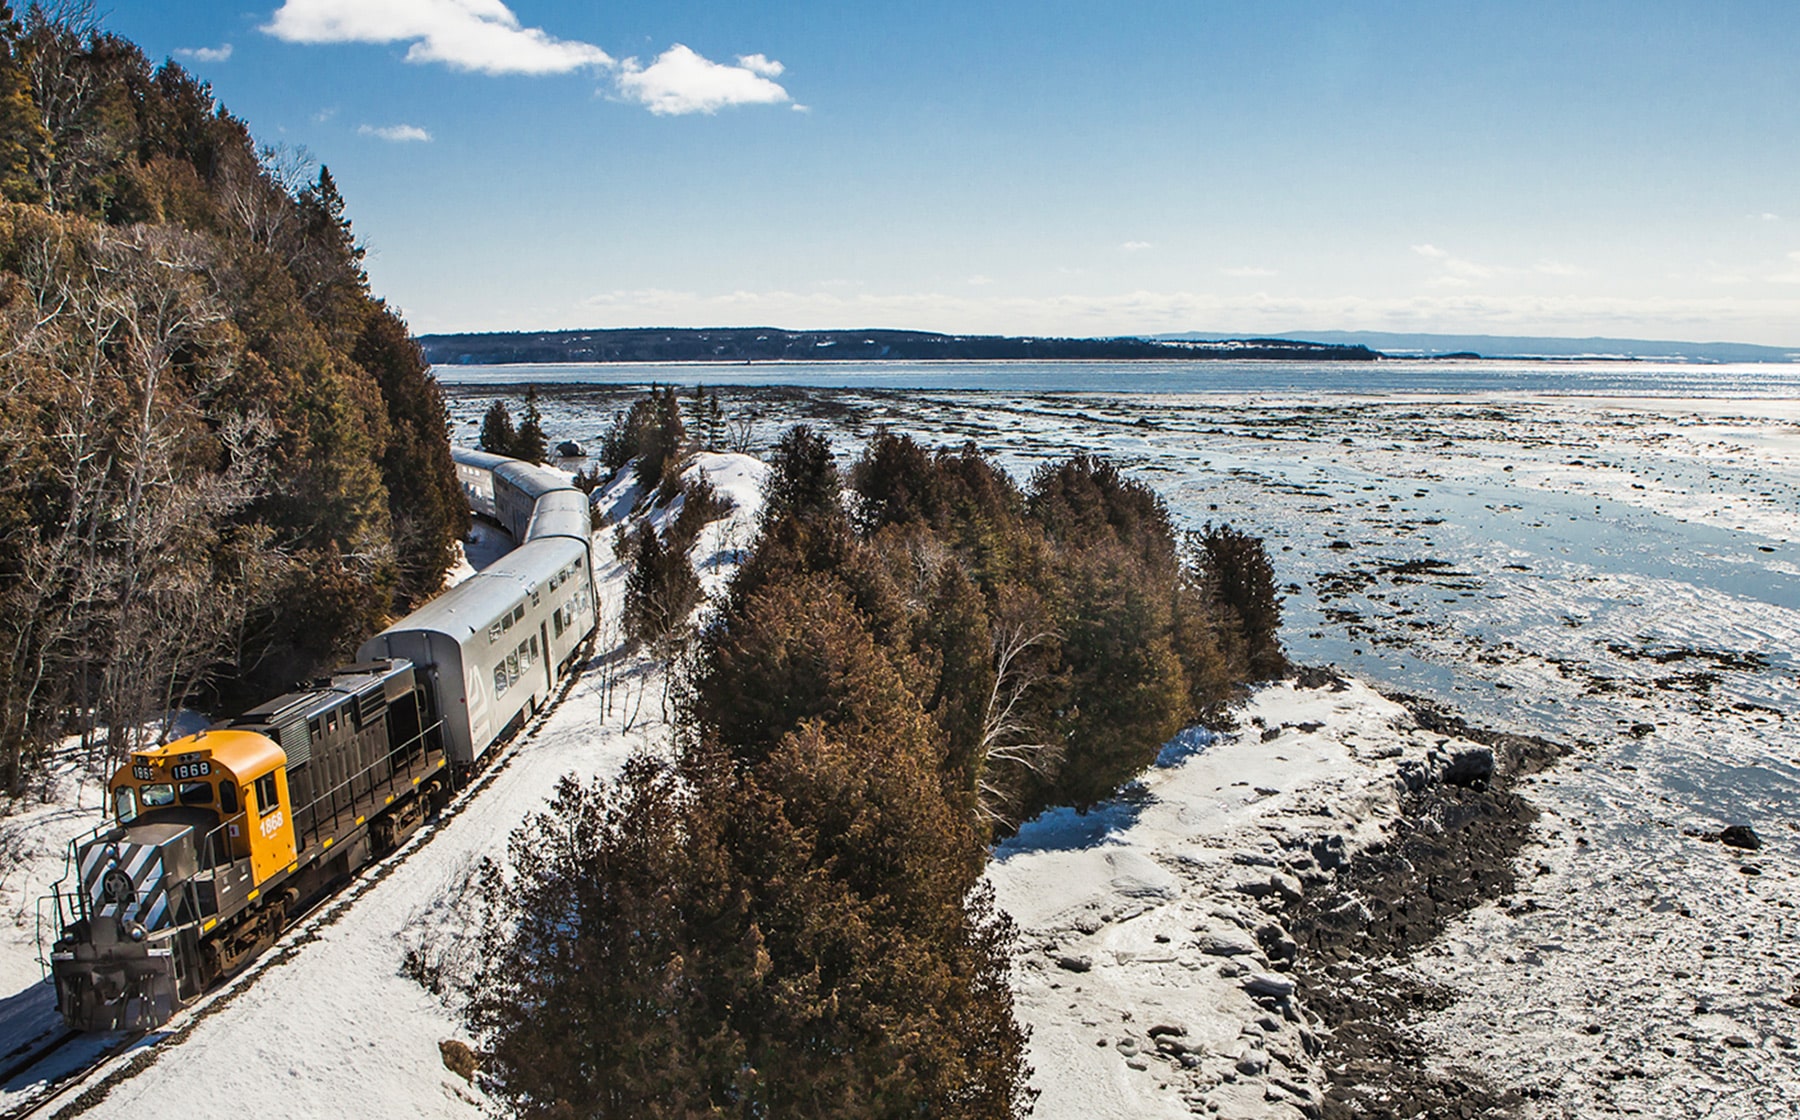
pixel 493 649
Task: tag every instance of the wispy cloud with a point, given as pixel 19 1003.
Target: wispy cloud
pixel 480 35
pixel 1792 273
pixel 979 281
pixel 681 81
pixel 1137 246
pixel 1249 272
pixel 1766 216
pixel 1548 267
pixel 204 54
pixel 396 133
pixel 986 311
pixel 1457 271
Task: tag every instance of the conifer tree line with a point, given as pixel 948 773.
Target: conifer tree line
pixel 226 460
pixel 527 441
pixel 788 918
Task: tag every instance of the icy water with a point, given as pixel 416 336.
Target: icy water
pixel 1607 555
pixel 1587 378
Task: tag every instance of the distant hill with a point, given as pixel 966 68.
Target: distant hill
pixel 1508 346
pixel 772 344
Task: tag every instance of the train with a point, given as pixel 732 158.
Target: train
pixel 214 840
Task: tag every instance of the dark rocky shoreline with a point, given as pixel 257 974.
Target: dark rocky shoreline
pixel 1454 847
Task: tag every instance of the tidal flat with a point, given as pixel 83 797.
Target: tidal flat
pixel 1619 574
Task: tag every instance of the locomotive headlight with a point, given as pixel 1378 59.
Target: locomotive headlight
pixel 135 931
pixel 116 886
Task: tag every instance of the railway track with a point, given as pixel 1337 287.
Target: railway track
pixel 89 1078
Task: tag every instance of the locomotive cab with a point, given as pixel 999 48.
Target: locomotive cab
pixel 231 785
pixel 199 824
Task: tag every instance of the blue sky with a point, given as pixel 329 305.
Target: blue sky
pixel 1045 167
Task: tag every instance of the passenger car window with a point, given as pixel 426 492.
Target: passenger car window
pixel 499 678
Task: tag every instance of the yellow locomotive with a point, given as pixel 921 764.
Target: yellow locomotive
pixel 216 837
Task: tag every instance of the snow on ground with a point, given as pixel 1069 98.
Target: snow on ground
pixel 331 1024
pixel 722 543
pixel 1139 969
pixel 486 544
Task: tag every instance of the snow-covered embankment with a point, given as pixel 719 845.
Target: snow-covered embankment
pixel 1155 954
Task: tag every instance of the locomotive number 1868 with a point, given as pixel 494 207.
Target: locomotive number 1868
pixel 185 770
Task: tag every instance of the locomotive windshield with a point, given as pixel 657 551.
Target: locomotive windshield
pixel 196 793
pixel 156 796
pixel 125 801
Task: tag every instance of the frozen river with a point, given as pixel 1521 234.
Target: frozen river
pixel 1611 558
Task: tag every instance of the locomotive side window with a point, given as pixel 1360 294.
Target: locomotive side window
pixel 125 801
pixel 265 794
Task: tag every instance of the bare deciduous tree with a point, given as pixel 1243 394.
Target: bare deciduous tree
pixel 1008 738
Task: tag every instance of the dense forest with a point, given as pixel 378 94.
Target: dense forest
pixel 787 917
pixel 226 460
pixel 771 344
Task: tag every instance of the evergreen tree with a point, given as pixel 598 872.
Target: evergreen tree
pixel 497 434
pixel 662 439
pixel 803 478
pixel 530 443
pixel 661 587
pixel 24 141
pixel 1237 569
pixel 714 422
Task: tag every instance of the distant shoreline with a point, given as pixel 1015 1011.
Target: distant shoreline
pixel 758 345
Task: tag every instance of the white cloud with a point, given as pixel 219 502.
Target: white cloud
pixel 204 54
pixel 482 35
pixel 396 133
pixel 761 64
pixel 1249 272
pixel 485 36
pixel 681 81
pixel 1137 246
pixel 1766 216
pixel 979 281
